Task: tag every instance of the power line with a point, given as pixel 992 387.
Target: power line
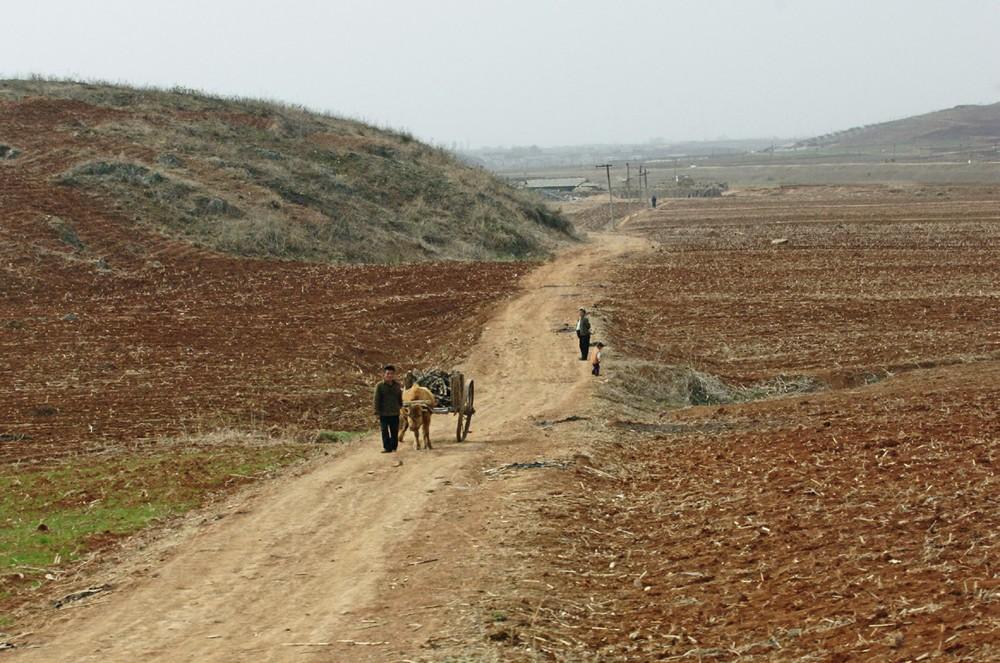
pixel 611 201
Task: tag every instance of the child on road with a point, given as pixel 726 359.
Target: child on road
pixel 595 359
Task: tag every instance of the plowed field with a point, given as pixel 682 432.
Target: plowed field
pixel 856 522
pixel 112 334
pixel 104 356
pixel 862 279
pixel 114 337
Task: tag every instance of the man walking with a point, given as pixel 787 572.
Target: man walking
pixel 583 333
pixel 388 403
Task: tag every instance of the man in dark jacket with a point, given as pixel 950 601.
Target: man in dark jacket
pixel 388 403
pixel 583 333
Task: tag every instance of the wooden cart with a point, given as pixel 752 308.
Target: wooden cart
pixel 463 404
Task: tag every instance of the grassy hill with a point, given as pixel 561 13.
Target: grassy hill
pixel 256 178
pixel 968 125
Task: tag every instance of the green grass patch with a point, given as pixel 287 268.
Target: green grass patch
pixel 52 516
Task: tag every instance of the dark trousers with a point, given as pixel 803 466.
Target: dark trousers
pixel 584 346
pixel 390 432
pixel 596 370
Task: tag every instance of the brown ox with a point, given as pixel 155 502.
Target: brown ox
pixel 416 417
pixel 417 404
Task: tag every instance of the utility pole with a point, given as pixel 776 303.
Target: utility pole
pixel 611 200
pixel 628 181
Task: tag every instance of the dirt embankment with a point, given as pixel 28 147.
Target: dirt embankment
pixel 261 179
pixel 592 213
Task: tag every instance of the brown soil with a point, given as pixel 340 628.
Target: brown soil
pixel 867 279
pixel 354 550
pixel 846 524
pixel 114 336
pixel 164 337
pixel 852 525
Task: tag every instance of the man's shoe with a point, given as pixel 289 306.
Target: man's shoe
pixel 387 451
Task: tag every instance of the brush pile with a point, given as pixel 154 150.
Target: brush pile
pixel 438 381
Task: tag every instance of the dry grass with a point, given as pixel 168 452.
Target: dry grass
pixel 258 178
pixel 643 387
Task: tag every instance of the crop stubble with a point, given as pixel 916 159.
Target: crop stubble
pixel 136 336
pixel 856 523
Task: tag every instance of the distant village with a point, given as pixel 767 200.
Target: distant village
pixel 574 188
pixel 534 158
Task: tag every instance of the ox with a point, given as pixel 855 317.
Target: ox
pixel 417 404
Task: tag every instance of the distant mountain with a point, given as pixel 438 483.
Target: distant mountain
pixel 248 177
pixel 968 125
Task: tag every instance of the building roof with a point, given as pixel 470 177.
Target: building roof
pixel 555 183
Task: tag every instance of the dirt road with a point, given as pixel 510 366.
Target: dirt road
pixel 355 559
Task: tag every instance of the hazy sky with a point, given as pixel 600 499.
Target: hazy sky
pixel 543 72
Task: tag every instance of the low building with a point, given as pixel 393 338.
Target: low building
pixel 554 183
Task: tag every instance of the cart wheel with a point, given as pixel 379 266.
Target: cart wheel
pixel 458 427
pixel 457 391
pixel 470 400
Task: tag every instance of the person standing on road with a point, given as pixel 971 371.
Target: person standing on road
pixel 388 403
pixel 583 333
